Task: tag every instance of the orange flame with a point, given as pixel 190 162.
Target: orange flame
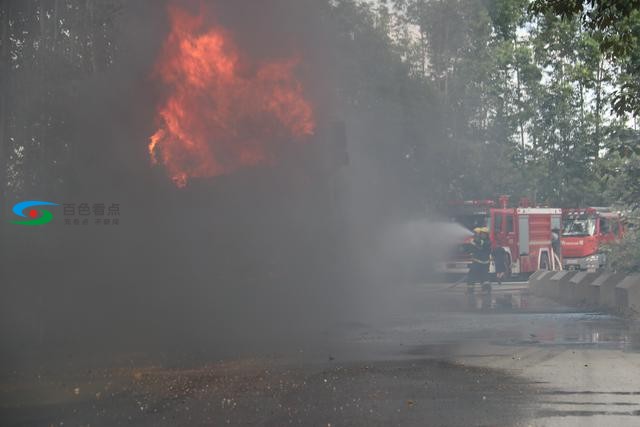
pixel 215 118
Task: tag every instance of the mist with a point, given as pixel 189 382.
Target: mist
pixel 236 212
pixel 265 258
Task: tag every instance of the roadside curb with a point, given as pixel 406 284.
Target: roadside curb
pixel 616 292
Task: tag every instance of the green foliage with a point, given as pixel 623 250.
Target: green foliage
pixel 615 24
pixel 624 181
pixel 609 18
pixel 526 92
pixel 624 256
pixel 506 16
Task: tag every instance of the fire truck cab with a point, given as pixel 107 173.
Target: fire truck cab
pixel 525 235
pixel 584 232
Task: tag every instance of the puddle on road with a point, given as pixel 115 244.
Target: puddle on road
pixel 503 318
pixel 606 333
pixel 577 413
pixel 498 302
pixel 558 329
pixel 579 337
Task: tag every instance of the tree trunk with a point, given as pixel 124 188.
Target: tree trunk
pixel 598 117
pixel 520 124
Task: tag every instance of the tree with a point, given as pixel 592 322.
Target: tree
pixel 615 24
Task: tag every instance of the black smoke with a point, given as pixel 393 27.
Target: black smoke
pixel 265 258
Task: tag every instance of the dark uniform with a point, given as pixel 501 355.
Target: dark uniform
pixel 500 261
pixel 480 254
pixel 555 243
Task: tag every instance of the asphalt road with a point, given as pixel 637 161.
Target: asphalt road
pixel 432 357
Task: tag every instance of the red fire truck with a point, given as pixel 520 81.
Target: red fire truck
pixel 523 232
pixel 584 232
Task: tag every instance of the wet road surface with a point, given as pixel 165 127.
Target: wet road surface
pixel 432 356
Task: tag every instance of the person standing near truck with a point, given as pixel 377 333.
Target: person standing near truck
pixel 480 249
pixel 500 263
pixel 556 246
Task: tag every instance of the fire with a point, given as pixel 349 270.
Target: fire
pixel 219 115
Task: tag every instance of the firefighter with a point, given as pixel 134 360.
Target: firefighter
pixel 500 262
pixel 556 246
pixel 480 253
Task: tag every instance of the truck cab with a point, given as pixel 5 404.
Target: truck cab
pixel 584 232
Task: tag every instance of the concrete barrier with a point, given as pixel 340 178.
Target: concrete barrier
pixel 537 282
pixel 593 296
pixel 564 286
pixel 552 288
pixel 627 295
pixel 612 291
pixel 608 290
pixel 579 287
